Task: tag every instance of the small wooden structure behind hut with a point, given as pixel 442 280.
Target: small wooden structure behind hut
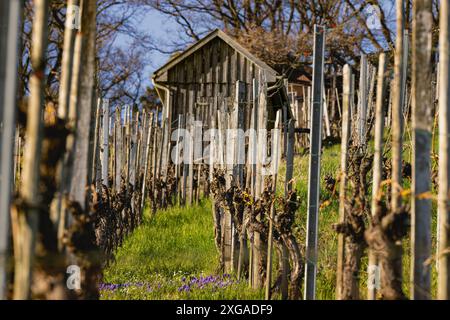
pixel 204 77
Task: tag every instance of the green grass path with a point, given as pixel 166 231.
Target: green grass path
pixel 172 256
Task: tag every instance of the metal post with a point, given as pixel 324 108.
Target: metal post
pixel 314 164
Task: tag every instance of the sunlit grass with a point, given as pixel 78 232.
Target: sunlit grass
pixel 168 251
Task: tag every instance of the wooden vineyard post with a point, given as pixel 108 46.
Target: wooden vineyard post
pixel 253 157
pixel 326 118
pixel 126 144
pixel 275 161
pixel 10 13
pixel 156 138
pixel 287 190
pixel 94 175
pixel 346 125
pixel 164 161
pixel 118 150
pixel 395 252
pixel 314 164
pixel 146 161
pixel 188 155
pixel 421 163
pixel 443 292
pixel 259 250
pixel 190 175
pixel 68 65
pixel 177 156
pixel 228 243
pixel 134 149
pixel 197 135
pixel 238 169
pixel 397 114
pixel 28 217
pixel 373 269
pixel 362 101
pixel 105 143
pixel 81 166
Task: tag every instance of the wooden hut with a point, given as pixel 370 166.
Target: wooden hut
pixel 204 78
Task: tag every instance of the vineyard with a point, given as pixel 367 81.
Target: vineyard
pixel 259 164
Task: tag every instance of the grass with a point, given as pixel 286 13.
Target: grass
pixel 172 256
pixel 178 243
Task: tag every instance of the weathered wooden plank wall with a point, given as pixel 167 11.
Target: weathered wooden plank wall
pixel 209 72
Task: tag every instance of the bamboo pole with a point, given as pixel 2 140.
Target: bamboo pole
pixel 421 162
pixel 28 216
pixel 373 269
pixel 443 292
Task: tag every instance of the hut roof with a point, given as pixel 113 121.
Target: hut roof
pixel 160 75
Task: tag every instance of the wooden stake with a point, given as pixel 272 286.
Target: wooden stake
pixel 362 100
pixel 346 131
pixel 421 163
pixel 443 292
pixel 395 252
pixel 28 216
pixel 105 142
pixel 146 161
pixel 275 161
pixel 373 269
pixel 118 150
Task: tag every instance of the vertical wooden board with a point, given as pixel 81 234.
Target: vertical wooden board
pixel 189 62
pixel 225 66
pixel 191 100
pixel 203 74
pixel 242 68
pixel 232 71
pixel 239 66
pixel 218 67
pixel 207 70
pixel 214 63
